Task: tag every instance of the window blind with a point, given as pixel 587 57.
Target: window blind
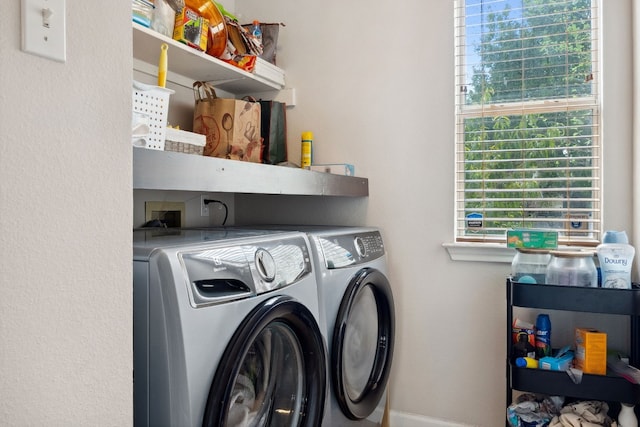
pixel 528 143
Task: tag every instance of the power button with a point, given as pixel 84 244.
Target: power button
pixel 360 247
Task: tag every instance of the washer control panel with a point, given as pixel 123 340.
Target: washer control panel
pixel 279 263
pixel 222 273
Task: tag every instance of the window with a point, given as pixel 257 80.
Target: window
pixel 527 119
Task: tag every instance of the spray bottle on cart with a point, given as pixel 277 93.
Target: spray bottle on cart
pixel 543 336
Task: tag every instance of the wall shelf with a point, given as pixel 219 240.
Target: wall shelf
pixel 186 65
pixel 165 170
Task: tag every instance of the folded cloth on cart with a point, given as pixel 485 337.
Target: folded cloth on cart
pixel 590 413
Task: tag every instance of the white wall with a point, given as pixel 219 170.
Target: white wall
pixel 375 83
pixel 65 223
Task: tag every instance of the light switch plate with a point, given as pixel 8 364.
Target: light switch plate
pixel 44 28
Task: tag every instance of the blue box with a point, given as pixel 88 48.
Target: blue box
pixel 561 362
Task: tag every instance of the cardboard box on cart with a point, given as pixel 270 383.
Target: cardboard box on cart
pixel 591 351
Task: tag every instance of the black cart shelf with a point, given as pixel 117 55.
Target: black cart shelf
pixel 610 387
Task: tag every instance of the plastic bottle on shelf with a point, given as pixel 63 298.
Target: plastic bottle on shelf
pixel 526 362
pixel 256 31
pixel 572 268
pixel 615 255
pixel 627 416
pixel 543 336
pixel 530 265
pixel 307 150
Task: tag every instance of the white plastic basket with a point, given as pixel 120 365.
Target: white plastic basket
pixel 149 119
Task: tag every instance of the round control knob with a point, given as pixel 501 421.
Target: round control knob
pixel 265 264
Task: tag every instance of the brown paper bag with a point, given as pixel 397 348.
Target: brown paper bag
pixel 232 126
pixel 269 39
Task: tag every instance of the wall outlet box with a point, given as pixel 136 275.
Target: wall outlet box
pixel 591 351
pixel 171 214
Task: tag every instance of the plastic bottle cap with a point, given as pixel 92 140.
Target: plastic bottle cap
pixel 307 135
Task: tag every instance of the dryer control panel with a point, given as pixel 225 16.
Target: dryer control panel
pixel 344 250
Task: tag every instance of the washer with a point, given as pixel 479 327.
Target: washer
pixel 357 316
pixel 226 329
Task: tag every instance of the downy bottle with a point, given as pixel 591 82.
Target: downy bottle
pixel 616 260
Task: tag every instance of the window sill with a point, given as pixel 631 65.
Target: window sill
pixel 491 252
pixel 483 252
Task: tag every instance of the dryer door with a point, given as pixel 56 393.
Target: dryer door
pixel 363 344
pixel 273 371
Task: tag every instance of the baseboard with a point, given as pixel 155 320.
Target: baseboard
pixel 403 419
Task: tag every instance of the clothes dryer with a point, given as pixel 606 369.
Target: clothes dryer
pixel 226 329
pixel 357 316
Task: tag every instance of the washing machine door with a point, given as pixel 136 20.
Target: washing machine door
pixel 273 371
pixel 363 344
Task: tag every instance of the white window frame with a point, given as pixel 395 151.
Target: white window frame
pixel 590 102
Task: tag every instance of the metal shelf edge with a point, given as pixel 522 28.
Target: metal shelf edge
pixel 163 170
pixel 599 387
pixel 572 298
